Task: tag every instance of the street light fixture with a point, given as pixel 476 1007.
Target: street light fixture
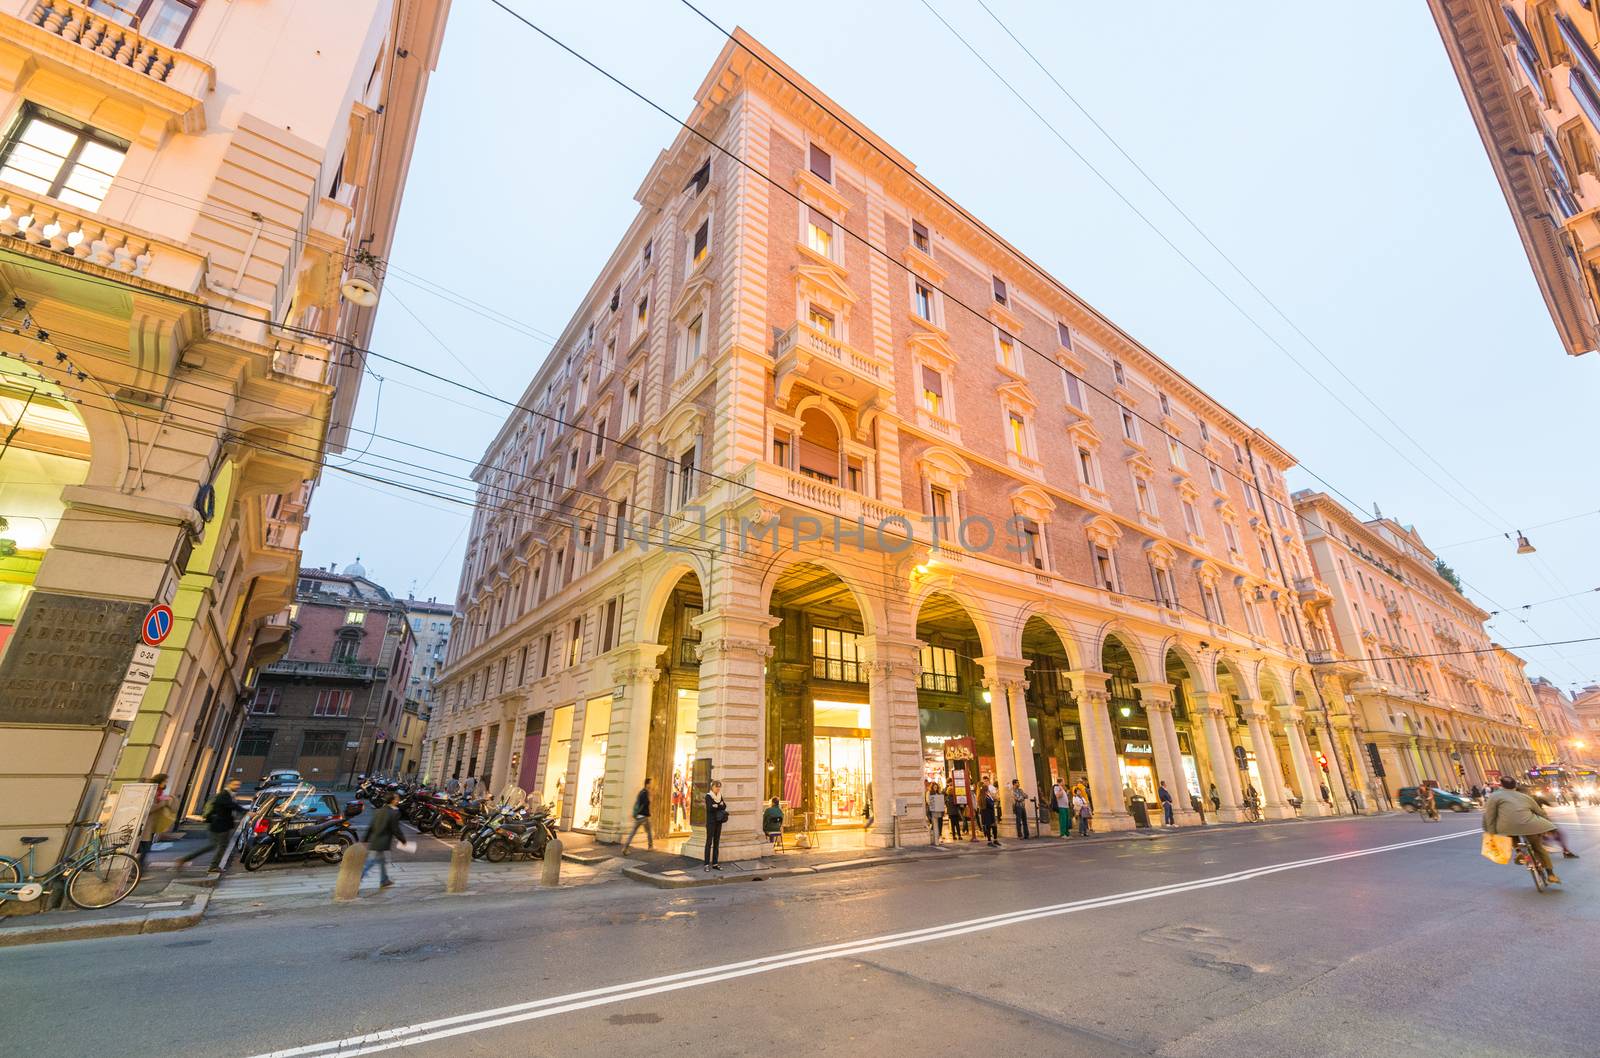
pixel 1523 547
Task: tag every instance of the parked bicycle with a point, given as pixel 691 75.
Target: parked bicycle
pixel 98 875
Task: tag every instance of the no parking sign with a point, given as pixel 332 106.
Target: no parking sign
pixel 157 624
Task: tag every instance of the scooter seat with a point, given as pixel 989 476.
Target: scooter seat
pixel 33 841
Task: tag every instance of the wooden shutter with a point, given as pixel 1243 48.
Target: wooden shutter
pixel 1000 290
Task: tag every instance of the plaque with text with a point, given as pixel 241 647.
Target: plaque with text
pixel 67 659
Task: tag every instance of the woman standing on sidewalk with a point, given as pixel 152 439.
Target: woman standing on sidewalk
pixel 1063 803
pixel 936 806
pixel 988 816
pixel 716 815
pixel 1080 806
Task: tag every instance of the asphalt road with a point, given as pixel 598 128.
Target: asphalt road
pixel 1272 941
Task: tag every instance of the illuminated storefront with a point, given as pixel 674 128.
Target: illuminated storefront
pixel 555 772
pixel 841 757
pixel 592 763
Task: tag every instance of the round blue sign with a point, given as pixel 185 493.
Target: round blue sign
pixel 157 624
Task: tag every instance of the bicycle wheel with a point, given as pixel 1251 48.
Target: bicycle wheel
pixel 1539 879
pixel 103 881
pixel 10 870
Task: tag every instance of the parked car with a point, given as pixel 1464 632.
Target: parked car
pixel 282 777
pixel 1444 800
pixel 312 806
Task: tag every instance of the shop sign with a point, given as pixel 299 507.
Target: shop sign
pixel 1138 749
pixel 67 659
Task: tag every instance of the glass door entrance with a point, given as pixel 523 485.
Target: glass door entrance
pixel 842 774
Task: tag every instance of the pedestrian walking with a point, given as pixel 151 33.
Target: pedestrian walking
pixel 1081 809
pixel 383 833
pixel 1164 795
pixel 1019 808
pixel 1216 800
pixel 988 816
pixel 641 818
pixel 221 813
pixel 936 807
pixel 469 787
pixel 1063 802
pixel 163 814
pixel 453 787
pixel 716 815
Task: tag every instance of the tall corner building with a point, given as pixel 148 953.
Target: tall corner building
pixel 1530 72
pixel 827 492
pixel 185 188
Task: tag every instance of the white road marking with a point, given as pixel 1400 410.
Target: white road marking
pixel 478 1021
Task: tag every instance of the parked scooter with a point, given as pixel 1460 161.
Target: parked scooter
pixel 525 836
pixel 287 835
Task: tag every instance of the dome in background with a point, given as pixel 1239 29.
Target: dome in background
pixel 355 569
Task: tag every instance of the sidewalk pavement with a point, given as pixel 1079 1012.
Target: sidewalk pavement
pixel 289 888
pixel 165 899
pixel 668 871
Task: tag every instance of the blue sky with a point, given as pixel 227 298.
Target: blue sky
pixel 1327 153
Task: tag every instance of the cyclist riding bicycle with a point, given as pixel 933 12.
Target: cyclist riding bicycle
pixel 1510 811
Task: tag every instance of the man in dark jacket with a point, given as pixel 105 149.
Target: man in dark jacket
pixel 641 818
pixel 222 811
pixel 382 833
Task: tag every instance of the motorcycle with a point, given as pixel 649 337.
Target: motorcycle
pixel 527 836
pixel 287 835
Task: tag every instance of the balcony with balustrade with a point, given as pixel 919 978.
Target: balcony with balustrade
pixel 805 353
pixel 99 51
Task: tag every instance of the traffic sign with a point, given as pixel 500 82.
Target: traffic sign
pixel 157 624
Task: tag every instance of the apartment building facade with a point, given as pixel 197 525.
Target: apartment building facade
pixel 1432 695
pixel 814 385
pixel 1530 71
pixel 335 704
pixel 1561 724
pixel 181 217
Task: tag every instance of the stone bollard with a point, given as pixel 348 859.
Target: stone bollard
pixel 551 875
pixel 348 883
pixel 460 860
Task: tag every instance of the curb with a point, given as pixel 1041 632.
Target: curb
pixel 164 921
pixel 688 881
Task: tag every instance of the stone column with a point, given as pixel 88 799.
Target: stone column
pixel 1105 780
pixel 500 775
pixel 634 673
pixel 1273 806
pixel 896 740
pixel 1157 700
pixel 734 648
pixel 1210 706
pixel 996 681
pixel 1306 772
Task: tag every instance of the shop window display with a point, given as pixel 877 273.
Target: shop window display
pixel 592 763
pixel 555 771
pixel 841 763
pixel 683 743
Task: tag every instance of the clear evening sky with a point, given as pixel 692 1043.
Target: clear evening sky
pixel 1327 152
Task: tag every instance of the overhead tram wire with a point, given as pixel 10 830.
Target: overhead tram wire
pixel 345 343
pixel 1355 385
pixel 348 345
pixel 713 145
pixel 353 347
pixel 921 181
pixel 1539 565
